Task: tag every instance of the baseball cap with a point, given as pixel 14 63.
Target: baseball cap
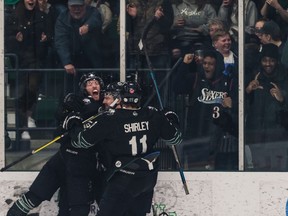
pixel 271 28
pixel 75 2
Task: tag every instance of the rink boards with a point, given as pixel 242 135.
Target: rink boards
pixel 211 194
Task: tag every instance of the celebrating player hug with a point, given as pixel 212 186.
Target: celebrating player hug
pixel 126 137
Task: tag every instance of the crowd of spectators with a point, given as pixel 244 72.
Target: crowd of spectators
pixel 186 26
pixel 75 34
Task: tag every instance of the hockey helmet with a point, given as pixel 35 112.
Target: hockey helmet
pixel 131 93
pixel 87 77
pixel 114 89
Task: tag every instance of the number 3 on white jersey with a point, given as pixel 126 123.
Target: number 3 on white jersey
pixel 143 142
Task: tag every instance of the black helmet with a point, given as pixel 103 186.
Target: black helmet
pixel 87 77
pixel 131 93
pixel 114 89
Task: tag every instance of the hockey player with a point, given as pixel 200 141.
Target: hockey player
pixel 112 95
pixel 70 169
pixel 126 136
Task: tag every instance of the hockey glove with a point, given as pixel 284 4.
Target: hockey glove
pixel 73 102
pixel 72 120
pixel 172 117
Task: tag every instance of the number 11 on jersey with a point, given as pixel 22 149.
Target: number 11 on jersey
pixel 134 144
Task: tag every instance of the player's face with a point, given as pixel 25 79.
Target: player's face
pixel 108 100
pixel 268 64
pixel 93 89
pixel 209 66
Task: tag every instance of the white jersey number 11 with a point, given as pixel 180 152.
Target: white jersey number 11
pixel 133 142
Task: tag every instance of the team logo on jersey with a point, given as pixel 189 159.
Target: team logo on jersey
pixel 110 111
pixel 118 164
pixel 131 91
pixel 87 124
pixel 135 113
pixel 187 12
pixel 86 101
pixel 211 97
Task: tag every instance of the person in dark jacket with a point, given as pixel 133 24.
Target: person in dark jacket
pixel 28 35
pixel 160 15
pixel 266 97
pixel 211 110
pixel 78 38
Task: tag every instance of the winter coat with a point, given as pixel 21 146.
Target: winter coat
pixel 262 121
pixel 71 46
pixel 157 40
pixel 32 24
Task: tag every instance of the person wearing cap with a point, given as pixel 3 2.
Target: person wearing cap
pixel 78 36
pixel 258 25
pixel 271 33
pixel 266 95
pixel 71 170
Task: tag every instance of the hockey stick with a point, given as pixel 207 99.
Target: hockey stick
pixel 33 152
pixel 54 140
pixel 164 80
pixel 151 72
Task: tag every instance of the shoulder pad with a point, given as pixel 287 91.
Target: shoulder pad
pixel 152 108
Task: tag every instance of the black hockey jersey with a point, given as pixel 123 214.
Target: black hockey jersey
pixel 89 108
pixel 128 133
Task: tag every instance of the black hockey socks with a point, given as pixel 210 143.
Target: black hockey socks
pixel 15 211
pixel 23 205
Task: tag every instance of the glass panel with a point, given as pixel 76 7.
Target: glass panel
pixel 206 83
pixel 266 88
pixel 209 127
pixel 45 56
pixel 148 27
